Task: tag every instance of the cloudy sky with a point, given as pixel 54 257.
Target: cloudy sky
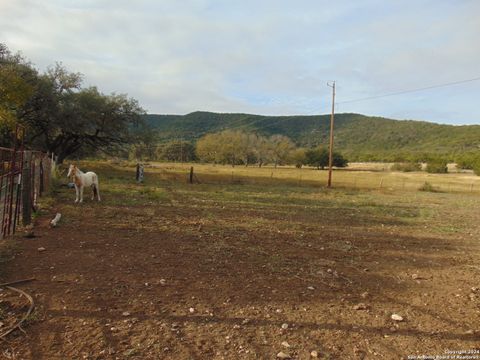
pixel 262 56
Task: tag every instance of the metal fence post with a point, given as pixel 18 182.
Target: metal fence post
pixel 140 173
pixel 27 190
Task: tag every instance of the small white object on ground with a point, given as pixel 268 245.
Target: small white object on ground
pixel 360 306
pixel 314 354
pixel 396 317
pixel 55 220
pixel 285 344
pixel 41 249
pixel 192 310
pixel 282 355
pixel 284 326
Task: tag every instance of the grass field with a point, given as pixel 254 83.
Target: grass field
pixel 357 176
pixel 248 266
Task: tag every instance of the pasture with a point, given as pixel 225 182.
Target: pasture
pixel 247 263
pixel 365 176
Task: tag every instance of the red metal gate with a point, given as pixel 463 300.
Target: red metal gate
pixel 11 164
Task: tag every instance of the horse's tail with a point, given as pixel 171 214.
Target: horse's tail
pixel 95 190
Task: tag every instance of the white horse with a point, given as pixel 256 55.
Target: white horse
pixel 81 179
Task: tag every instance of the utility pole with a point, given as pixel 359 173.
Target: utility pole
pixel 330 150
pixel 181 149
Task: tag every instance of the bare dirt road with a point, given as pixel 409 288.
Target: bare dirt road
pixel 163 271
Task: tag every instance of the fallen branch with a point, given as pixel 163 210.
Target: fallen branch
pixel 30 309
pixel 16 282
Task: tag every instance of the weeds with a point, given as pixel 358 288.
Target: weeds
pixel 428 187
pixel 55 181
pixel 33 317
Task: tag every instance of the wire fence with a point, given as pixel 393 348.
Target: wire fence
pixel 347 179
pixel 24 177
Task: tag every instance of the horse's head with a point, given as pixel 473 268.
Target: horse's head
pixel 72 171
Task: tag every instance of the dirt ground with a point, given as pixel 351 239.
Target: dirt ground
pixel 167 271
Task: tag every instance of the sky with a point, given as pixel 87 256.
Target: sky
pixel 271 57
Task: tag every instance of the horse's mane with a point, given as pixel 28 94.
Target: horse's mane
pixel 80 172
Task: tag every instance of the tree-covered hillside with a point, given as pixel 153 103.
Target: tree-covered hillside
pixel 359 137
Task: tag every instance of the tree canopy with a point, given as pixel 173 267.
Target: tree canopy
pixel 61 116
pixel 319 158
pixel 238 147
pixel 358 137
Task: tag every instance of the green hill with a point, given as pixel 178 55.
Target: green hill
pixel 357 136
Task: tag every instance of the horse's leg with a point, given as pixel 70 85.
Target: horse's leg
pixel 93 191
pixel 98 190
pixel 76 193
pixel 81 193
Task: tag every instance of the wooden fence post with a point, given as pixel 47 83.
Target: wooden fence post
pixel 42 179
pixel 27 190
pixel 52 165
pixel 48 173
pixel 140 173
pixel 191 175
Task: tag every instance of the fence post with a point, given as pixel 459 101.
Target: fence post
pixel 191 175
pixel 52 165
pixel 48 173
pixel 42 179
pixel 139 173
pixel 27 190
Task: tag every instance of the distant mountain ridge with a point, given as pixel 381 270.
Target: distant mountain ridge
pixel 358 136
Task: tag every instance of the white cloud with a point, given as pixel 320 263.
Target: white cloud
pixel 270 57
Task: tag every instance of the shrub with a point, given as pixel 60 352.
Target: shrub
pixel 298 157
pixel 428 187
pixel 464 164
pixel 406 166
pixel 339 160
pixel 437 167
pixel 319 158
pixel 476 167
pixel 467 161
pixel 55 181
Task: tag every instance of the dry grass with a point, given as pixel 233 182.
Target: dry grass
pixel 350 178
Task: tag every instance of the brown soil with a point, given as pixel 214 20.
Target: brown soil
pixel 203 280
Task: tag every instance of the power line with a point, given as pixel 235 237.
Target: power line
pixel 256 120
pixel 409 91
